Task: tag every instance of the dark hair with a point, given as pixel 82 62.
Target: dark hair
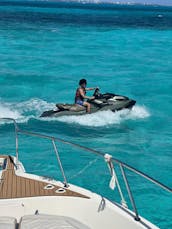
pixel 82 81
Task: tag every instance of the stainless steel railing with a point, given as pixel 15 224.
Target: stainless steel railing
pixel 123 166
pixel 17 130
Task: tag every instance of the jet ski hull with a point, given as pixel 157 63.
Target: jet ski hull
pixel 107 102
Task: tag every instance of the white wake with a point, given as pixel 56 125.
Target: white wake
pixel 33 108
pixel 23 111
pixel 104 118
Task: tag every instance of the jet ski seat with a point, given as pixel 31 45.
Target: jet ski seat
pixel 76 107
pixel 63 107
pixel 70 107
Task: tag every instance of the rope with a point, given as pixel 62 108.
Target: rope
pixel 83 169
pixel 114 180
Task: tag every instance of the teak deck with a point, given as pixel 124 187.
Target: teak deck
pixel 14 186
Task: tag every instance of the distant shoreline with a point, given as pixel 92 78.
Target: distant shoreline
pixel 84 4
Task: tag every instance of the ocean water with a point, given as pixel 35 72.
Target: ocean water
pixel 46 48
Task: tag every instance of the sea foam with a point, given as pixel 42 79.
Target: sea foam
pixel 33 108
pixel 23 111
pixel 104 118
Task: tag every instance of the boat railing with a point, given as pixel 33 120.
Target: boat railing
pixel 123 166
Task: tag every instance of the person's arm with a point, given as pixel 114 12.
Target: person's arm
pixel 90 88
pixel 84 96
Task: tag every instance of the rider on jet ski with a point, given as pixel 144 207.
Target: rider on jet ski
pixel 97 102
pixel 81 95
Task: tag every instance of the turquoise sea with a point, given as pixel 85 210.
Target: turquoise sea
pixel 45 48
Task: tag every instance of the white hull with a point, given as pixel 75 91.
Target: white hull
pixel 94 212
pixel 35 202
pixel 84 210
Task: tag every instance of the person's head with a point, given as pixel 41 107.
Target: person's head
pixel 83 82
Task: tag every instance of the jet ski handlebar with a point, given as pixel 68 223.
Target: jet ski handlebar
pixel 97 93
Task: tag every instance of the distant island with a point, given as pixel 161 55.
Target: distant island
pixel 117 2
pixel 123 2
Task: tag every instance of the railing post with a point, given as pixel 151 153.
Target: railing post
pixel 130 193
pixel 17 144
pixel 16 137
pixel 60 164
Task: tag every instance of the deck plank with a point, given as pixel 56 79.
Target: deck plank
pixel 14 186
pixel 27 188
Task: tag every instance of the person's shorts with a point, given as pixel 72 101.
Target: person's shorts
pixel 80 102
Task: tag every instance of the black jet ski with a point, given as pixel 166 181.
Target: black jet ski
pixel 102 102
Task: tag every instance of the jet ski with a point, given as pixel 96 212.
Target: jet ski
pixel 102 102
